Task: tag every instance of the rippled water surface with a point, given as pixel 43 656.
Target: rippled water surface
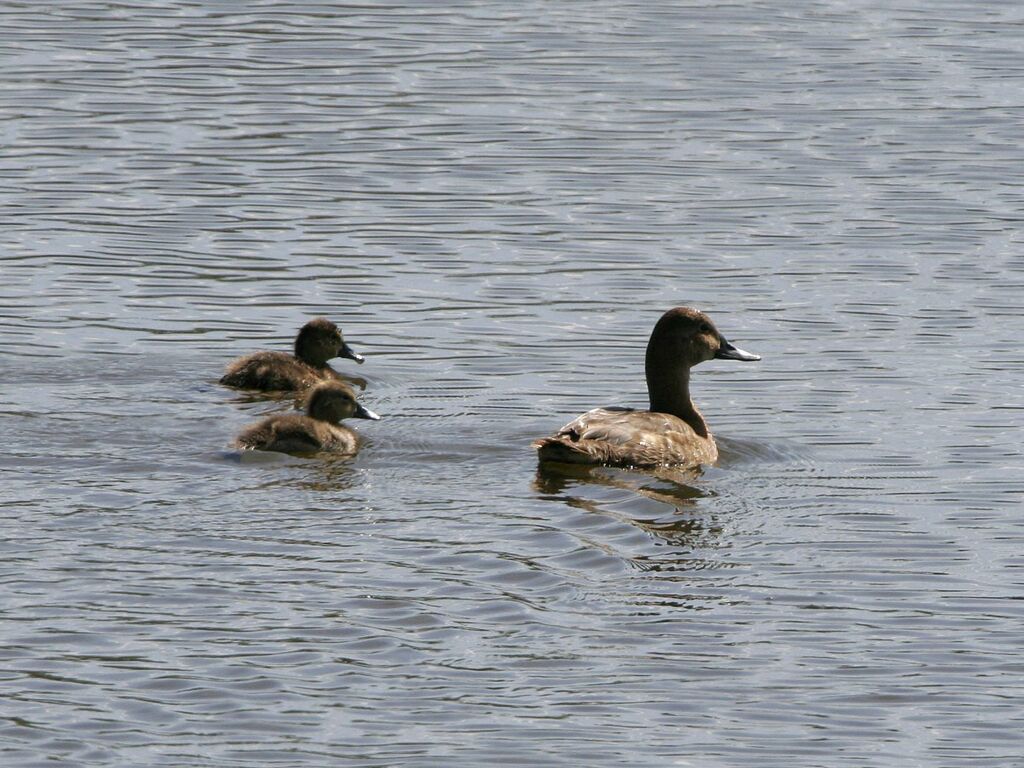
pixel 497 201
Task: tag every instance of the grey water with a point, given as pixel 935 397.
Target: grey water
pixel 496 201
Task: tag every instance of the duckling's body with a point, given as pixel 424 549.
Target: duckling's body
pixel 275 371
pixel 318 341
pixel 318 430
pixel 672 431
pixel 295 433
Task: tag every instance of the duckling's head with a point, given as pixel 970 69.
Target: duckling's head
pixel 320 340
pixel 333 401
pixel 688 335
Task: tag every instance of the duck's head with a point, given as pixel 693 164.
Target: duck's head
pixel 333 401
pixel 320 340
pixel 688 335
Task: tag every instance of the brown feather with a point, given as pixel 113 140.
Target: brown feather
pixel 628 438
pixel 275 371
pixel 295 433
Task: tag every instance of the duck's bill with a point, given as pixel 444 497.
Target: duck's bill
pixel 729 352
pixel 351 354
pixel 365 413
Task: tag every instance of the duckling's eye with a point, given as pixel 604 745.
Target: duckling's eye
pixel 705 328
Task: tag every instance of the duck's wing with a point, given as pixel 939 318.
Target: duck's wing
pixel 296 434
pixel 268 371
pixel 286 434
pixel 626 437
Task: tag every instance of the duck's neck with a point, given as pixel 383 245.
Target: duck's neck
pixel 668 386
pixel 310 358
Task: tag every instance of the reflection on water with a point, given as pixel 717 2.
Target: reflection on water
pixel 676 486
pixel 674 502
pixel 497 202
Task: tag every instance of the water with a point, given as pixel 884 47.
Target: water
pixel 496 201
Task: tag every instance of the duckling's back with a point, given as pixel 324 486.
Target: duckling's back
pixel 293 433
pixel 272 371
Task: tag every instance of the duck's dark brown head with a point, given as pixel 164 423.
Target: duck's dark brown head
pixel 320 340
pixel 686 335
pixel 333 401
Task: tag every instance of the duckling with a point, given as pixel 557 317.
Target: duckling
pixel 672 431
pixel 318 341
pixel 318 430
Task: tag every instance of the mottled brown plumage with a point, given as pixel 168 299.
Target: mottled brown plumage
pixel 318 341
pixel 318 430
pixel 672 431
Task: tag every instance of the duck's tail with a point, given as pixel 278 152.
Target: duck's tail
pixel 561 448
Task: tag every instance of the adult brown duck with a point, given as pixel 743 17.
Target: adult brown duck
pixel 320 429
pixel 318 341
pixel 672 431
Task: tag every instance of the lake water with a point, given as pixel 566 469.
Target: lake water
pixel 496 201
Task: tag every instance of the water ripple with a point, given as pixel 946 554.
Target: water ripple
pixel 496 203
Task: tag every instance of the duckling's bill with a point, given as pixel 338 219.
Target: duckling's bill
pixel 362 412
pixel 351 354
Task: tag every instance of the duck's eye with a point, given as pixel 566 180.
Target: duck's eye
pixel 705 328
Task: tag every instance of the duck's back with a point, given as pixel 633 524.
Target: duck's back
pixel 293 433
pixel 274 371
pixel 625 437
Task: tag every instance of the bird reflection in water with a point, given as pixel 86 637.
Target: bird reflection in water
pixel 670 486
pixel 326 472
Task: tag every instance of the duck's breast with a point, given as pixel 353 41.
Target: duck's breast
pixel 339 438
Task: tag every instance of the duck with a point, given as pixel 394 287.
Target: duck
pixel 672 432
pixel 318 341
pixel 319 429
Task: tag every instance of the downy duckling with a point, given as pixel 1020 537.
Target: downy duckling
pixel 318 341
pixel 672 431
pixel 318 430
